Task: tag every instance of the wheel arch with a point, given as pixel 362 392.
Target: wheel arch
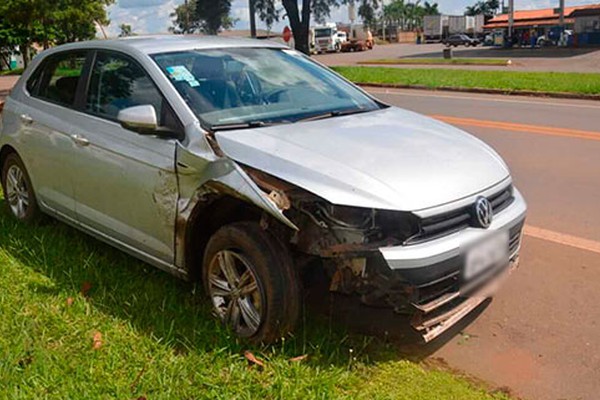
pixel 207 216
pixel 4 152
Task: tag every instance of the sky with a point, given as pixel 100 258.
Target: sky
pixel 152 16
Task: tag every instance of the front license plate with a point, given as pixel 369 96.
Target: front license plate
pixel 486 254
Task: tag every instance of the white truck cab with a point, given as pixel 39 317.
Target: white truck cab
pixel 327 38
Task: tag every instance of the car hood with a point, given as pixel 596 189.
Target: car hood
pixel 388 159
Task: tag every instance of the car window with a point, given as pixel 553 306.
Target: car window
pixel 258 85
pixel 60 77
pixel 118 82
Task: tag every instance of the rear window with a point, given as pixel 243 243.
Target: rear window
pixel 59 78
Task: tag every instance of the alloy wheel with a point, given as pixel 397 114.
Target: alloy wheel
pixel 17 191
pixel 235 292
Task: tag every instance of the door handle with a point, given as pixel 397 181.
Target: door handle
pixel 80 141
pixel 26 119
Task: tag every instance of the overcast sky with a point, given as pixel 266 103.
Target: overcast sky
pixel 152 16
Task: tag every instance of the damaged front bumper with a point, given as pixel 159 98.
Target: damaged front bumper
pixel 430 274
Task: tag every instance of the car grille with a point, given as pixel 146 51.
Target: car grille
pixel 456 220
pixel 433 294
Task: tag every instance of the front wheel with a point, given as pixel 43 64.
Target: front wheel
pixel 18 190
pixel 249 276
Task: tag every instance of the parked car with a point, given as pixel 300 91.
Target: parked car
pixel 245 164
pixel 461 40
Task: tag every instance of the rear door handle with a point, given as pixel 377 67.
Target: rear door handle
pixel 80 141
pixel 26 119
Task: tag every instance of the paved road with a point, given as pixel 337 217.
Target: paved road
pixel 551 59
pixel 540 336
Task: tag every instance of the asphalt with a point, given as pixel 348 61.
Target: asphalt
pixel 539 336
pixel 546 59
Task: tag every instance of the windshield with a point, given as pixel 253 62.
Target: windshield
pixel 323 32
pixel 259 86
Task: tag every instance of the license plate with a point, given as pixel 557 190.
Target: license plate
pixel 486 254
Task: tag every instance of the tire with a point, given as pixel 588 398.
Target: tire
pixel 18 190
pixel 265 307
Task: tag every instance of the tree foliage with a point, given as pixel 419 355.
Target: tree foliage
pixel 408 16
pixel 485 7
pixel 299 15
pixel 49 22
pixel 125 30
pixel 206 16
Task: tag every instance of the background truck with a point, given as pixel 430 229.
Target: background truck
pixel 327 38
pixel 360 38
pixel 435 27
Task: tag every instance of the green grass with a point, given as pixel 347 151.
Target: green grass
pixel 17 71
pixel 438 61
pixel 158 339
pixel 554 82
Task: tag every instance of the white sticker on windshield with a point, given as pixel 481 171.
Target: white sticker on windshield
pixel 181 74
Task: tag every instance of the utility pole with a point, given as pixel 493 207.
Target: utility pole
pixel 511 18
pixel 562 14
pixel 187 18
pixel 252 18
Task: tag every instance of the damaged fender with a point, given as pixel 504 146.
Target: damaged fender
pixel 201 173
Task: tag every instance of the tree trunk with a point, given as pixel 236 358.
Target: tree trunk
pixel 24 47
pixel 300 27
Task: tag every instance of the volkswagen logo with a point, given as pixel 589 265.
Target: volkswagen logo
pixel 484 214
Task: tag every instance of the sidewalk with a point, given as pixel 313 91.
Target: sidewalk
pixel 6 83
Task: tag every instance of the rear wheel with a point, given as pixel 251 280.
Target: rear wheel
pixel 248 275
pixel 18 190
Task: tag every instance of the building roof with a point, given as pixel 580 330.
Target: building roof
pixel 537 22
pixel 543 17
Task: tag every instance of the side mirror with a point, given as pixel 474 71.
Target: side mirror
pixel 141 119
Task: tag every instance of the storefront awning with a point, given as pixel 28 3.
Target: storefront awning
pixel 530 23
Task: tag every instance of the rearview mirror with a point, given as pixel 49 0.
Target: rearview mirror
pixel 141 119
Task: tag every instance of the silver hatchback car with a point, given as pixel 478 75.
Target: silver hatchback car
pixel 243 163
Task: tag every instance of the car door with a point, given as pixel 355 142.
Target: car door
pixel 125 183
pixel 46 145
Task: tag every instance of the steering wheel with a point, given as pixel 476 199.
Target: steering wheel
pixel 273 95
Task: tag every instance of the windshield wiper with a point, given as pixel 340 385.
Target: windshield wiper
pixel 333 114
pixel 241 125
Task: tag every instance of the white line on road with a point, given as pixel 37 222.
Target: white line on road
pixel 438 95
pixel 561 238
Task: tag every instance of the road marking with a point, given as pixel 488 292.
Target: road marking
pixel 561 238
pixel 483 97
pixel 510 126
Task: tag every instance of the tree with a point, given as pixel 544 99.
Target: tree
pixel 50 22
pixel 409 16
pixel 485 7
pixel 125 30
pixel 213 15
pixel 207 16
pixel 431 8
pixel 300 16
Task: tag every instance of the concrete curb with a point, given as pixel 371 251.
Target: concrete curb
pixel 554 95
pixel 400 65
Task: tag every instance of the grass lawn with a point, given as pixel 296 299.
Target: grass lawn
pixel 504 80
pixel 81 320
pixel 438 61
pixel 17 71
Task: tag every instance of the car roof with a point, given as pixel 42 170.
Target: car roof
pixel 168 43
